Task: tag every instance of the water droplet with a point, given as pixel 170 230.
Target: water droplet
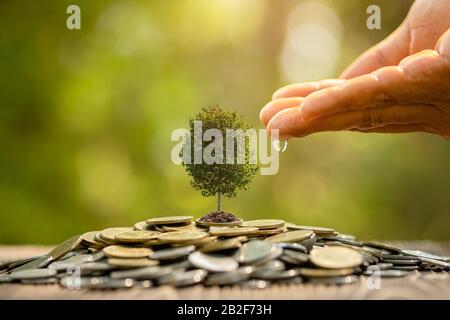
pixel 280 145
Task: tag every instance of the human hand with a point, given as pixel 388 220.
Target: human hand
pixel 413 95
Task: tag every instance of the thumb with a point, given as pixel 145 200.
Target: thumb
pixel 388 52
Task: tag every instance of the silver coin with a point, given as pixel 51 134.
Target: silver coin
pixel 292 246
pixel 405 268
pixel 299 257
pixel 369 259
pixel 434 262
pixel 59 251
pixel 73 253
pixel 95 283
pixel 396 257
pixel 290 281
pixel 145 284
pixel 172 253
pixel 17 263
pixel 288 260
pixel 275 274
pixel 343 240
pixel 184 264
pixel 334 280
pixel 409 262
pixel 43 281
pixel 146 273
pixel 387 273
pixel 253 251
pixel 213 263
pixel 382 247
pixel 5 278
pixel 255 284
pixel 182 279
pixel 271 265
pixel 32 274
pixel 384 266
pixel 39 262
pixel 422 254
pixel 91 267
pixel 309 243
pixel 275 254
pixel 229 278
pixel 71 262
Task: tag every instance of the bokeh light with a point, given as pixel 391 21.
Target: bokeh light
pixel 86 117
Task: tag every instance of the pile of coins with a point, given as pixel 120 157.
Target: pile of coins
pixel 180 252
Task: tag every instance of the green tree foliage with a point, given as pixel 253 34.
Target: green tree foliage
pixel 219 178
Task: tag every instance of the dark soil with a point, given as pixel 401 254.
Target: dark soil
pixel 219 216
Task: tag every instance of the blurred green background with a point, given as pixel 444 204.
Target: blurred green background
pixel 86 117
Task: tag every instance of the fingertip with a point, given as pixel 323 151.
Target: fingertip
pixel 287 122
pixel 310 108
pixel 273 107
pixel 281 92
pixel 262 114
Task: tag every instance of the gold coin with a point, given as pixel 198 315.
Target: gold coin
pixel 198 243
pixel 126 252
pixel 221 245
pixel 110 233
pixel 242 238
pixel 153 242
pixel 99 239
pixel 191 226
pixel 181 236
pixel 170 220
pixel 232 232
pixel 268 232
pixel 137 236
pixel 309 272
pixel 291 236
pixel 335 257
pixel 264 223
pixel 317 230
pixel 238 222
pixel 88 239
pixel 132 263
pixel 142 225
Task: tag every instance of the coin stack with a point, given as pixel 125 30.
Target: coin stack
pixel 180 252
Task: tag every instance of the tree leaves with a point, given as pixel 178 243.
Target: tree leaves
pixel 224 178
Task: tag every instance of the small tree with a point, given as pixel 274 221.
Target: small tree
pixel 223 178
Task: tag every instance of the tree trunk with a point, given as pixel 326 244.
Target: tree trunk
pixel 218 201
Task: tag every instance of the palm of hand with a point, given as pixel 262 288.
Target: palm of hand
pixel 394 87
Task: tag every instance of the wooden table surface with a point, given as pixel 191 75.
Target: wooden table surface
pixel 424 285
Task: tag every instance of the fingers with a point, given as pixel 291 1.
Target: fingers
pixel 443 45
pixel 358 93
pixel 292 96
pixel 277 105
pixel 395 128
pixel 288 122
pixel 389 52
pixel 291 123
pixel 304 89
